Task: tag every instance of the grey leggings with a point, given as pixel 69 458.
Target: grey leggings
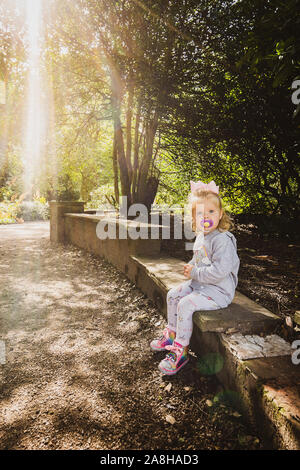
pixel 182 302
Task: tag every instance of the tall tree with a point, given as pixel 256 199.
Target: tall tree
pixel 237 126
pixel 146 53
pixel 11 78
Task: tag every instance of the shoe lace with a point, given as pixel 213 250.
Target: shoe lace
pixel 165 334
pixel 175 351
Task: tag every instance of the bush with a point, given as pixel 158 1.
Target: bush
pixel 98 197
pixel 33 210
pixel 23 211
pixel 67 195
pixel 66 189
pixel 8 212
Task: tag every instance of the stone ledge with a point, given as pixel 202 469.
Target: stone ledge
pixel 243 315
pixel 277 382
pixel 254 346
pixel 67 203
pixel 268 386
pixel 94 217
pixel 262 373
pixel 88 217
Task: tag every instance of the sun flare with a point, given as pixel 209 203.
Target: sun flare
pixel 35 115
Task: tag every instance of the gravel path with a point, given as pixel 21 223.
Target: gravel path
pixel 78 372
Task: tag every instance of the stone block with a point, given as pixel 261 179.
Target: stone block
pixel 243 315
pixel 58 209
pixel 252 347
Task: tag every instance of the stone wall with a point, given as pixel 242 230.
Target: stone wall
pixel 57 221
pixel 69 223
pixel 81 230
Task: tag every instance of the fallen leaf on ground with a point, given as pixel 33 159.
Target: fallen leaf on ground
pixel 170 419
pixel 289 322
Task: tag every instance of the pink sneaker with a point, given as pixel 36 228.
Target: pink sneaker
pixel 175 359
pixel 161 343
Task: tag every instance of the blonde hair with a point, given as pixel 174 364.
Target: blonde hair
pixel 226 223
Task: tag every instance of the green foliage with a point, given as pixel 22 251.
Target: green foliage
pixel 23 211
pixel 174 183
pixel 68 194
pixel 8 212
pixel 273 42
pixel 6 193
pixel 98 197
pixel 10 174
pixel 234 126
pixel 218 74
pixel 66 189
pixel 33 210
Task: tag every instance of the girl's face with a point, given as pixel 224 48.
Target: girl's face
pixel 206 215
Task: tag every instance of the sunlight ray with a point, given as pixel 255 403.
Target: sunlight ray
pixel 35 121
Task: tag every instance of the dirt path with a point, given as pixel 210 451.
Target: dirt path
pixel 78 372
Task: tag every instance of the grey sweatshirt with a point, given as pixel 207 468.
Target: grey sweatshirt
pixel 216 266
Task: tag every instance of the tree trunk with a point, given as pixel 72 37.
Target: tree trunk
pixel 118 136
pixel 137 143
pixel 115 168
pixel 145 164
pixel 128 130
pixel 4 165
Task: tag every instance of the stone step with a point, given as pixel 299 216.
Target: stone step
pixel 277 382
pixel 254 346
pixel 264 383
pixel 257 372
pixel 243 315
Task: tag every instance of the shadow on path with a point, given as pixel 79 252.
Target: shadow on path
pixel 79 373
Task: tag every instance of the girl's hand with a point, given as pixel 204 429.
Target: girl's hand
pixel 187 268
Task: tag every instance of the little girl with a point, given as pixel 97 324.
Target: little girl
pixel 212 275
